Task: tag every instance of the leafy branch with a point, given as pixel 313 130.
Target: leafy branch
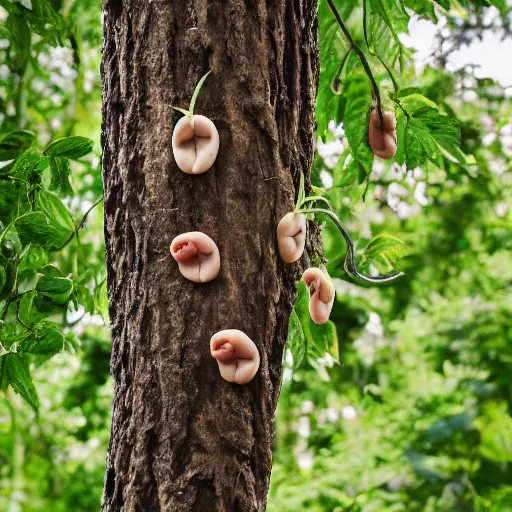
pixel 364 61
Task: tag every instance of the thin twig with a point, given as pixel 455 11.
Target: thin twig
pixel 81 223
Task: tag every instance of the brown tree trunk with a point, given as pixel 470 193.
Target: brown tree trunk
pixel 183 439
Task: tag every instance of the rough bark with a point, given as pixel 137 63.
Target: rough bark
pixel 182 438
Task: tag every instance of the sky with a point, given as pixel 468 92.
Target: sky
pixel 492 53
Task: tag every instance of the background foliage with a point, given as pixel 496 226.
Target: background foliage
pixel 403 401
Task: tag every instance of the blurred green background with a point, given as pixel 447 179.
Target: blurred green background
pixel 401 403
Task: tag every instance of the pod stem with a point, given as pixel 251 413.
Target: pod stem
pixel 350 259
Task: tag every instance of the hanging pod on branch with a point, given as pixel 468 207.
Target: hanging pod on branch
pixel 381 125
pixel 195 140
pixel 382 134
pixel 236 354
pixel 197 256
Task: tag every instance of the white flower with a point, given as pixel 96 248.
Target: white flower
pixel 304 427
pixel 308 407
pixel 397 171
pixel 305 460
pixel 506 130
pixel 394 194
pixel 4 72
pixel 371 339
pixel 377 169
pixel 330 151
pixel 501 209
pixel 469 96
pixel 418 173
pixel 420 193
pixel 405 210
pixel 409 179
pixel 348 412
pixel 488 139
pixel 374 325
pixel 337 131
pixel 56 123
pixel 332 415
pixel 327 179
pixel 488 122
pixel 498 166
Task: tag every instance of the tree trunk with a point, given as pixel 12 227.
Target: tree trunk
pixel 182 438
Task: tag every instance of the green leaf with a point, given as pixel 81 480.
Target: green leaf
pixel 3 277
pixel 296 340
pixel 320 339
pixel 428 132
pixel 59 217
pixel 196 92
pixel 60 172
pixel 301 195
pixel 34 227
pixel 12 143
pixel 34 258
pixel 384 250
pixel 25 307
pixel 496 433
pixel 20 39
pixel 58 289
pixel 4 381
pixel 70 147
pixel 83 296
pixel 47 341
pixel 182 110
pixel 101 300
pixel 18 376
pixel 349 174
pixel 393 15
pixel 401 135
pixel 355 121
pixel 25 164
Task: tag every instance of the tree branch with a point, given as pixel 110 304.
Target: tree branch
pixel 362 58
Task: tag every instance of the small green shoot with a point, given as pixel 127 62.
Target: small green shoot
pixel 190 113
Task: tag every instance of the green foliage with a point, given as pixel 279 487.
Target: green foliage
pixel 310 341
pixel 416 414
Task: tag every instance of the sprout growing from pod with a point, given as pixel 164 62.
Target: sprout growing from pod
pixel 291 236
pixel 236 354
pixel 197 256
pixel 195 140
pixel 321 294
pixel 382 134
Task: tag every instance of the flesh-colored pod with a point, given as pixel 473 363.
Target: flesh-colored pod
pixel 382 137
pixel 195 144
pixel 236 354
pixel 197 256
pixel 321 294
pixel 291 236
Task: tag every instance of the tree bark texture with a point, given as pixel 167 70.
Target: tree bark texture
pixel 182 438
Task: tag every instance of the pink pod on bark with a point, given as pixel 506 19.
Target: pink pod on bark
pixel 382 137
pixel 197 256
pixel 236 354
pixel 195 144
pixel 291 236
pixel 321 294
